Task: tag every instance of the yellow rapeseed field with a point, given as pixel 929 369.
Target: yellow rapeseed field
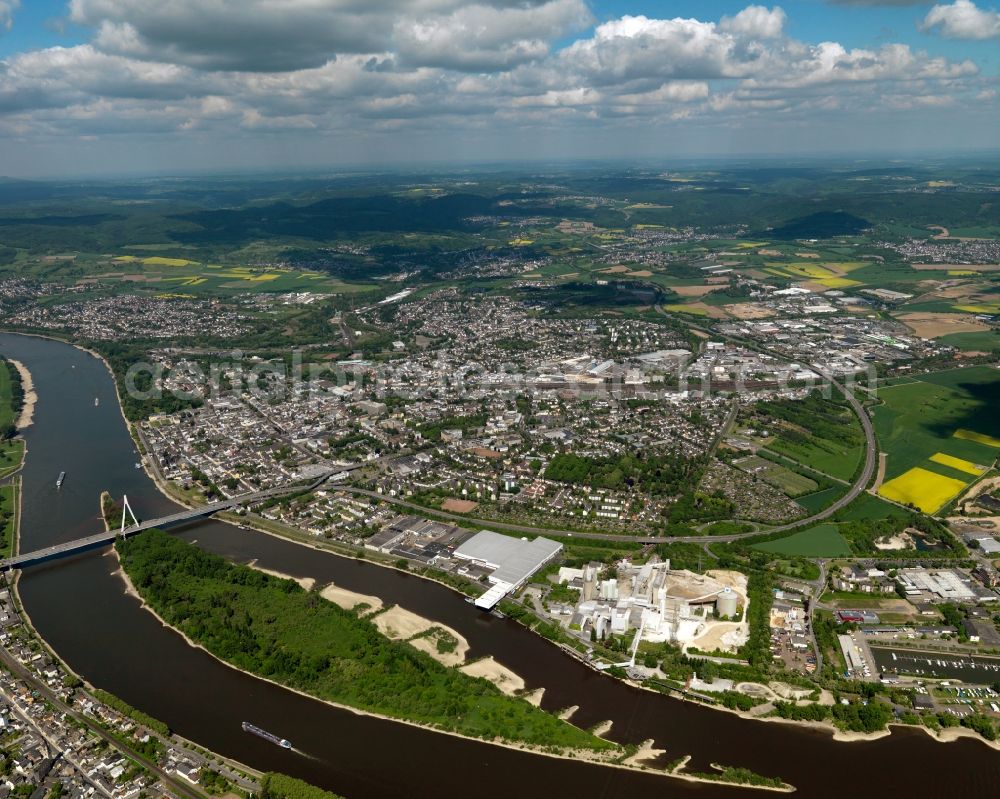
pixel 922 488
pixel 958 463
pixel 680 308
pixel 979 438
pixel 838 282
pixel 157 260
pixel 984 308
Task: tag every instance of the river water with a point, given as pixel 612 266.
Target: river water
pixel 80 607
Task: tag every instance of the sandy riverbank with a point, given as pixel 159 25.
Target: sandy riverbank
pixel 306 583
pixel 837 734
pixel 396 623
pixel 534 697
pixel 646 751
pixel 30 397
pixel 349 600
pixel 498 674
pixel 420 633
pixel 598 758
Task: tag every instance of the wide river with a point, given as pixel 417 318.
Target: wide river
pixel 80 607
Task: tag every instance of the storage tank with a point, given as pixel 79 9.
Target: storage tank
pixel 725 603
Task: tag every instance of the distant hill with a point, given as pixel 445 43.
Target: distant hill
pixel 820 225
pixel 335 216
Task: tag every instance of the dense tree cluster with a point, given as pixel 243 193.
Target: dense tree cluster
pixel 661 475
pixel 757 649
pixel 819 418
pixel 868 716
pixel 8 430
pixel 862 534
pixel 126 709
pixel 272 627
pixel 432 431
pixel 281 786
pixel 121 356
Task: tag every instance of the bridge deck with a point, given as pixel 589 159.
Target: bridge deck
pixel 108 537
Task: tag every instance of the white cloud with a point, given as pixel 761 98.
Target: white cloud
pixel 7 9
pixel 252 35
pixel 485 38
pixel 316 68
pixel 756 21
pixel 963 19
pixel 636 52
pixel 269 36
pixel 69 75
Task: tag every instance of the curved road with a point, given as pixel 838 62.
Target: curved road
pixel 871 451
pixel 855 490
pixel 871 445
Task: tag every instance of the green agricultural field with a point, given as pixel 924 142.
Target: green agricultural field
pixel 821 541
pixel 916 420
pixel 977 381
pixel 784 479
pixel 890 275
pixel 940 432
pixel 789 482
pixel 984 232
pixel 821 454
pixel 986 341
pixel 867 507
pixel 183 277
pixel 819 500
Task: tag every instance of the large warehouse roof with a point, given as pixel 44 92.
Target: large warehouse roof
pixel 513 558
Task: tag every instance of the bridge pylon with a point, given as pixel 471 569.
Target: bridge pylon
pixel 126 508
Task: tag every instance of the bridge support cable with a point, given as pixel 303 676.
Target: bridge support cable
pixel 126 508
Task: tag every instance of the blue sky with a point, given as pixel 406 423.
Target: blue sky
pixel 140 85
pixel 816 20
pixel 31 31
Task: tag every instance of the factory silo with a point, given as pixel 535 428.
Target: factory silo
pixel 726 602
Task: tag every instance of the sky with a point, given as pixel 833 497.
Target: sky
pixel 114 87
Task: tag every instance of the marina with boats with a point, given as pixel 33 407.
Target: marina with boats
pixel 975 669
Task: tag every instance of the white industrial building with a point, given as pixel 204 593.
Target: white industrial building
pixel 513 561
pixel 664 605
pixel 941 583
